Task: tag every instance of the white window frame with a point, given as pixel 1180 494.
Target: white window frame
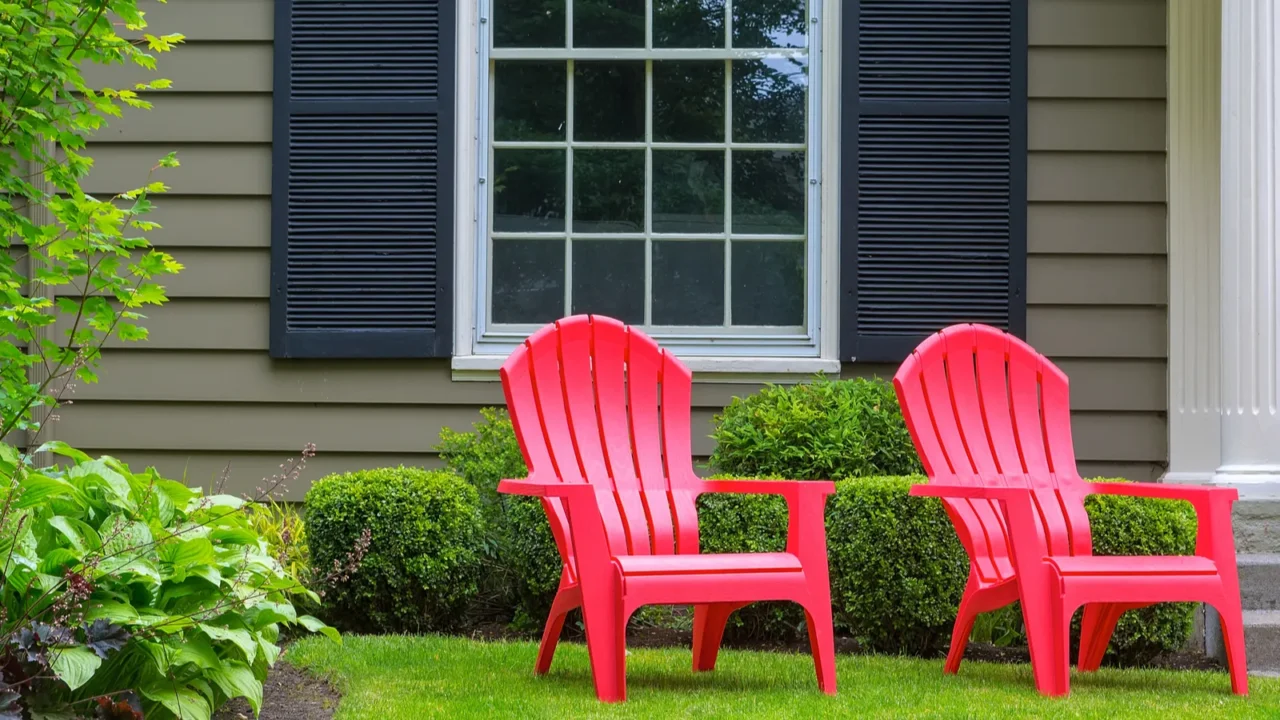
pixel 715 356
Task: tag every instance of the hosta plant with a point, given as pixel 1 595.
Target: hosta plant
pixel 125 590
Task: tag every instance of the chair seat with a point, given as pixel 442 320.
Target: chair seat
pixel 709 563
pixel 1134 565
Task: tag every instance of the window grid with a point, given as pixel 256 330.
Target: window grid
pixel 771 335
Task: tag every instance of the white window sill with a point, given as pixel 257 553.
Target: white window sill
pixel 705 369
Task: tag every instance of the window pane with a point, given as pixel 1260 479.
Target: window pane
pixel 608 23
pixel 528 281
pixel 768 23
pixel 769 99
pixel 529 100
pixel 608 278
pixel 768 192
pixel 688 23
pixel 688 101
pixel 608 99
pixel 688 191
pixel 528 190
pixel 528 23
pixel 768 283
pixel 608 191
pixel 688 282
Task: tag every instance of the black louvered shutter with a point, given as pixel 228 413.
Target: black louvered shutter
pixel 933 176
pixel 362 179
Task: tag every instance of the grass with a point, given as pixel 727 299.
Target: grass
pixel 402 677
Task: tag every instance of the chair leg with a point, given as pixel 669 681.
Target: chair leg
pixel 606 637
pixel 568 598
pixel 1233 638
pixel 1048 635
pixel 708 631
pixel 965 617
pixel 1096 629
pixel 822 642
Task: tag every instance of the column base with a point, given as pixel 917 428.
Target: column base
pixel 1255 482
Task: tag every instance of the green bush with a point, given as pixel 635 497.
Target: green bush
pixel 824 430
pixel 522 564
pixel 424 555
pixel 739 523
pixel 898 569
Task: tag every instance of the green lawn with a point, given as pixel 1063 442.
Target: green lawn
pixel 398 677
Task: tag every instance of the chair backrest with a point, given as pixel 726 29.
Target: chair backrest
pixel 982 405
pixel 596 401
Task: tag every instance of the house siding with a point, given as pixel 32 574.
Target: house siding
pixel 202 394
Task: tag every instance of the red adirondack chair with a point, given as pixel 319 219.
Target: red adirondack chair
pixel 990 418
pixel 602 415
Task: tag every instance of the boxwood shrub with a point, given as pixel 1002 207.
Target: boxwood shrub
pixel 522 564
pixel 824 430
pixel 424 557
pixel 898 569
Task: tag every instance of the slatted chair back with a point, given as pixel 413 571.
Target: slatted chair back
pixel 596 401
pixel 981 405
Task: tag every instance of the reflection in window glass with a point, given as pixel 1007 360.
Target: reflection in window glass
pixel 608 279
pixel 668 192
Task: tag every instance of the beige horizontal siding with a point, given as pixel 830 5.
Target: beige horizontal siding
pixel 203 392
pixel 252 377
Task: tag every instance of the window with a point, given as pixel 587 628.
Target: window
pixel 655 161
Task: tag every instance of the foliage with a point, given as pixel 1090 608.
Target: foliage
pixel 91 255
pixel 736 523
pixel 424 552
pixel 897 568
pixel 119 581
pixel 824 430
pixel 521 559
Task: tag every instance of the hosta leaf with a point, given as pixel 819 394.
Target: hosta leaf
pixel 198 650
pixel 111 611
pixel 56 560
pixel 177 493
pixel 316 625
pixel 96 473
pixel 235 679
pixel 208 573
pixel 40 489
pixel 240 638
pixel 80 534
pixel 58 447
pixel 266 613
pixel 183 701
pixel 187 553
pixel 270 651
pixel 234 536
pixel 74 665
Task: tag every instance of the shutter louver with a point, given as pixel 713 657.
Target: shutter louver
pixel 362 176
pixel 933 171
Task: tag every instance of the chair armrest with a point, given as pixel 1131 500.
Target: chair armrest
pixel 545 489
pixel 1214 536
pixel 967 492
pixel 786 488
pixel 1168 491
pixel 806 521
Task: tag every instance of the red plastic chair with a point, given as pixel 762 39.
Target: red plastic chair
pixel 603 419
pixel 990 418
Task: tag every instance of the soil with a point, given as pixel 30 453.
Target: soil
pixel 292 694
pixel 289 694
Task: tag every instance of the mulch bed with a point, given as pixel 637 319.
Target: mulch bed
pixel 293 694
pixel 289 694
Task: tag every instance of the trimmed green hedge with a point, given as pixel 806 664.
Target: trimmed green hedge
pixel 522 564
pixel 424 557
pixel 898 570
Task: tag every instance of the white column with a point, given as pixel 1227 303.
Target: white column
pixel 1194 136
pixel 1249 370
